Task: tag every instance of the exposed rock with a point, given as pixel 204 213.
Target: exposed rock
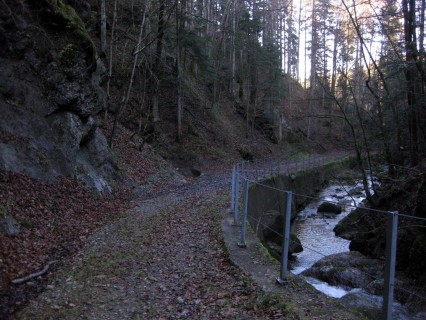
pixel 97 147
pixel 8 225
pixel 357 191
pixel 50 93
pixel 245 153
pixel 357 226
pixel 329 207
pixel 195 172
pixel 272 235
pixel 372 305
pixel 351 269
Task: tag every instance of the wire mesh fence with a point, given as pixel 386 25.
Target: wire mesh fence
pixel 279 209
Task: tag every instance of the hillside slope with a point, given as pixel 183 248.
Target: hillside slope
pixel 50 91
pixel 53 140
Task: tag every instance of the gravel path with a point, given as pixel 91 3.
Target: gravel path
pixel 167 259
pixel 164 260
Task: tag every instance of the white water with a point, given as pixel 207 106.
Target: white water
pixel 315 231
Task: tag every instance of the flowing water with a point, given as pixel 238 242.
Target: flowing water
pixel 315 231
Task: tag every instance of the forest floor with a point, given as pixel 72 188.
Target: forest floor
pixel 168 258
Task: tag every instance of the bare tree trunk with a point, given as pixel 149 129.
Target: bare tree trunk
pixel 180 23
pixel 103 28
pixel 357 152
pixel 125 99
pixel 289 37
pixel 410 74
pixel 364 48
pixel 305 56
pixel 142 91
pixel 298 42
pixel 158 52
pixel 234 34
pixel 313 76
pixel 422 29
pixel 334 66
pixel 110 58
pixel 366 144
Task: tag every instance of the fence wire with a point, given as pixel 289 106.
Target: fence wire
pixel 250 173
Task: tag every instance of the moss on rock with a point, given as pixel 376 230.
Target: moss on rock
pixel 73 23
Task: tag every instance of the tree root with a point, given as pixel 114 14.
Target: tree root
pixel 35 274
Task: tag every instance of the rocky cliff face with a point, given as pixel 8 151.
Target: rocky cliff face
pixel 50 92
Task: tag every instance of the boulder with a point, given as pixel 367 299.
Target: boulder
pixel 295 246
pixel 195 172
pixel 49 99
pixel 329 207
pixel 9 225
pixel 350 269
pixel 356 224
pixel 272 235
pixel 371 305
pixel 357 191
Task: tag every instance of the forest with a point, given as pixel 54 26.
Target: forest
pixel 113 108
pixel 361 64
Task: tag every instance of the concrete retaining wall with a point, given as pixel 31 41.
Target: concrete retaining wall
pixel 265 202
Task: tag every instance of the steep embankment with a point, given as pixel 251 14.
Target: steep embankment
pixel 50 138
pixel 166 259
pixel 50 91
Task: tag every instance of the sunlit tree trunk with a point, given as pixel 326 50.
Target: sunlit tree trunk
pixel 299 28
pixel 290 52
pixel 410 74
pixel 313 76
pixel 334 62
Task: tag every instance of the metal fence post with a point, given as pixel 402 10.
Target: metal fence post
pixel 236 200
pixel 286 241
pixel 242 242
pixel 391 240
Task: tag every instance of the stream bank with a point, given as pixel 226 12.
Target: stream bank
pixel 350 276
pixel 327 264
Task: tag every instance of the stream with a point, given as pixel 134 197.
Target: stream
pixel 315 231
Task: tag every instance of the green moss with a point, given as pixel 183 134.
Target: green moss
pixel 25 223
pixel 74 24
pixel 6 210
pixel 276 302
pixel 68 55
pixel 245 153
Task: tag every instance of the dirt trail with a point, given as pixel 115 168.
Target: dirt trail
pixel 167 259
